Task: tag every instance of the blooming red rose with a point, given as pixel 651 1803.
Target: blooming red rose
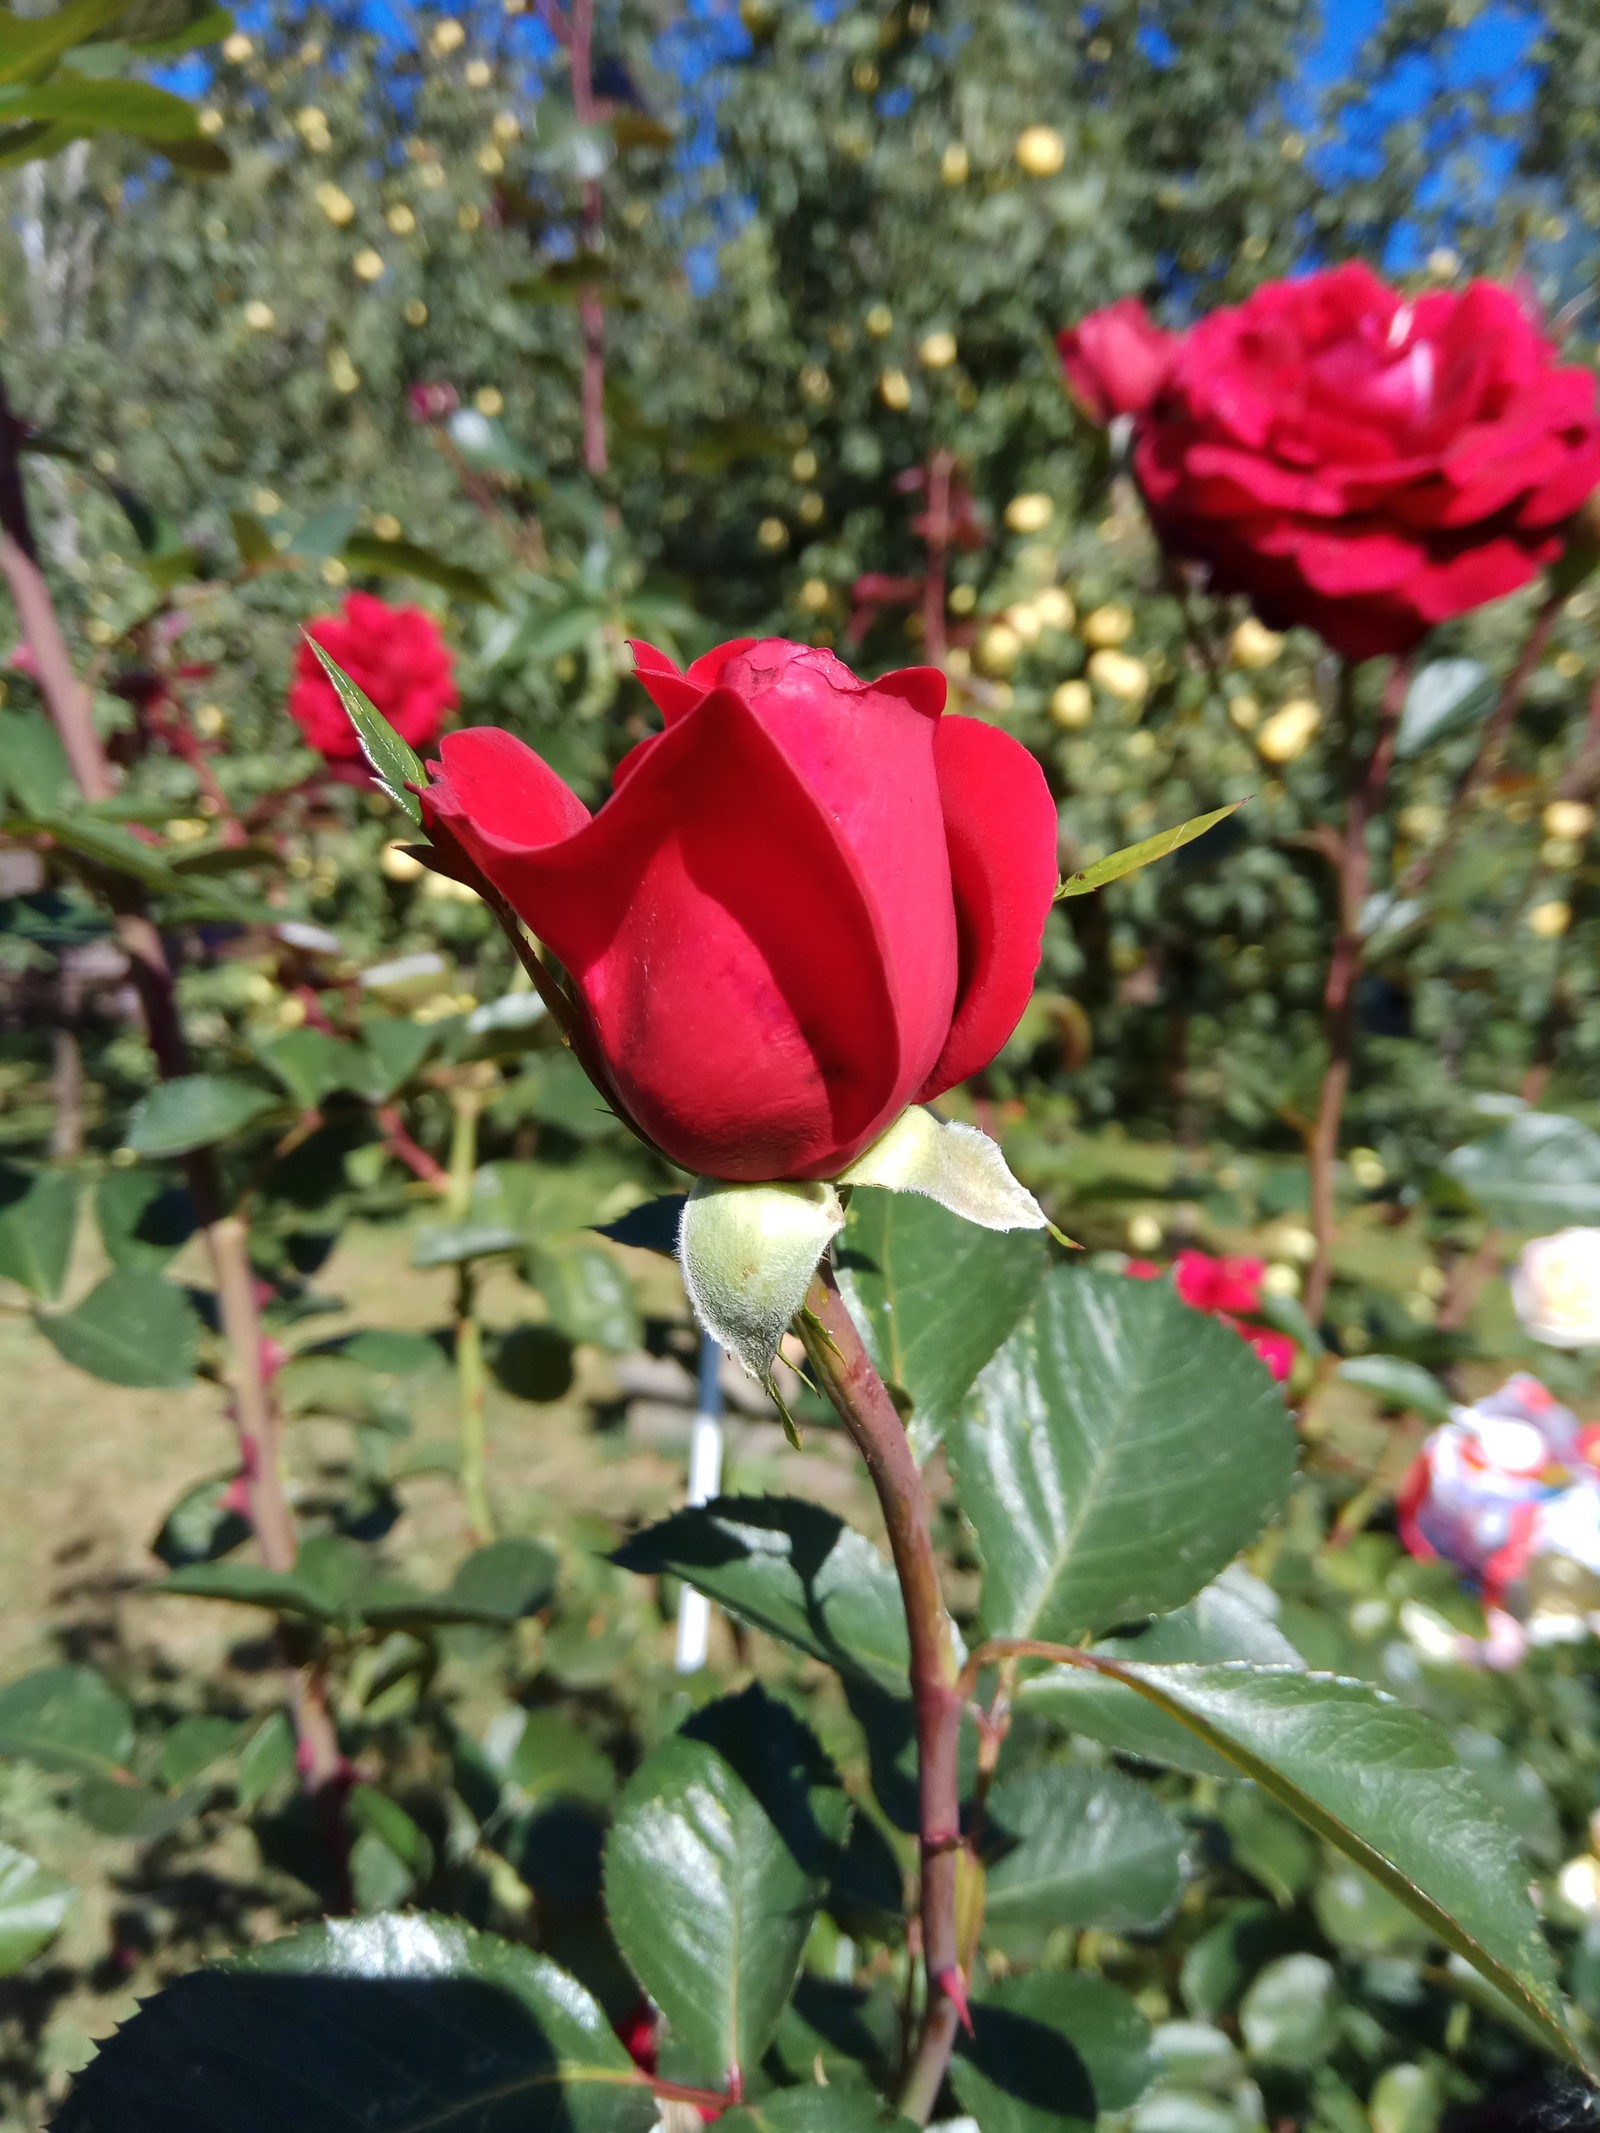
pixel 1225 1284
pixel 1354 461
pixel 810 901
pixel 1116 360
pixel 1223 1288
pixel 395 653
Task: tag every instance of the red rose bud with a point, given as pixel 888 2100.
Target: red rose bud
pixel 395 653
pixel 431 403
pixel 811 900
pixel 1116 360
pixel 1365 465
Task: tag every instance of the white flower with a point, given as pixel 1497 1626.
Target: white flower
pixel 1555 1288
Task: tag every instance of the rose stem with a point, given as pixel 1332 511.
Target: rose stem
pixel 1344 967
pixel 322 1766
pixel 941 466
pixel 466 1103
pixel 590 309
pixel 844 1370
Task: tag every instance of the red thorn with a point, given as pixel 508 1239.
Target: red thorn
pixel 954 1987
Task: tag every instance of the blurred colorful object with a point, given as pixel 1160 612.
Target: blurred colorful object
pixel 1508 1491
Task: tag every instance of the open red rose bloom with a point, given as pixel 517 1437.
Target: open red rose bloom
pixel 1353 460
pixel 810 901
pixel 396 654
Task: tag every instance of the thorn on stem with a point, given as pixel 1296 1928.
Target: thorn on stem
pixel 954 1987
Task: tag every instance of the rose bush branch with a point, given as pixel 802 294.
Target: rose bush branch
pixel 319 1758
pixel 845 1372
pixel 1363 801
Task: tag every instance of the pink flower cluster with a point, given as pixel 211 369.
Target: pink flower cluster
pixel 1228 1288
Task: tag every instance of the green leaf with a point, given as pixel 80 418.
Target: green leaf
pixel 1078 1846
pixel 194 1744
pixel 589 1296
pixel 1134 856
pixel 38 1221
pixel 1290 2015
pixel 1115 1456
pixel 33 1908
pixel 1446 696
pixel 1055 2049
pixel 323 1584
pixel 267 1760
pixel 1397 1383
pixel 143 1218
pixel 251 538
pixel 395 764
pixel 407 559
pixel 87 107
pixel 1230 1619
pixel 66 1718
pixel 1538 1172
pixel 312 1063
pixel 814 2110
pixel 790 1568
pixel 390 2023
pixel 1385 1786
pixel 194 1111
pixel 133 1328
pixel 723 1846
pixel 374 1813
pixel 138 1814
pixel 397 1047
pixel 201 1525
pixel 498 1584
pixel 542 1755
pixel 934 1297
pixel 33 761
pixel 31 44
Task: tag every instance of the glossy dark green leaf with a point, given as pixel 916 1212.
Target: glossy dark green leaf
pixel 792 1569
pixel 133 1328
pixel 1233 1618
pixel 718 1860
pixel 392 2024
pixel 588 1295
pixel 66 1718
pixel 1115 1456
pixel 1055 2049
pixel 1384 1785
pixel 33 1908
pixel 1539 1171
pixel 144 1219
pixel 38 1221
pixel 1072 1845
pixel 1133 856
pixel 194 1111
pixel 1397 1383
pixel 394 762
pixel 934 1297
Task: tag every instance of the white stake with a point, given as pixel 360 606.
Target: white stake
pixel 705 1478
